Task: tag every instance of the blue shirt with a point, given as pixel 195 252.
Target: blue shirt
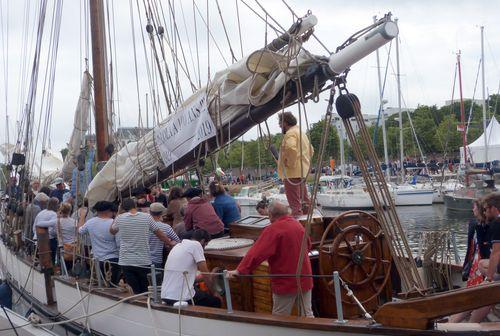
pixel 58 193
pixel 104 244
pixel 227 209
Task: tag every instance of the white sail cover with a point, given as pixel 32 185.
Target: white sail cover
pixel 80 126
pixel 6 150
pixel 476 150
pixel 255 80
pixel 51 163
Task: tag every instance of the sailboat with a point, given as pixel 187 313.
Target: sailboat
pixel 369 253
pixel 484 183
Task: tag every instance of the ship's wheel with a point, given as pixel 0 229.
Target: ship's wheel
pixel 354 245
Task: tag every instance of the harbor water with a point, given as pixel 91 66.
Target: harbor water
pixel 417 219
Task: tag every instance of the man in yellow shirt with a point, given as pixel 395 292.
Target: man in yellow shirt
pixel 294 162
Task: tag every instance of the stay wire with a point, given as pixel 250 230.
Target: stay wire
pixel 225 31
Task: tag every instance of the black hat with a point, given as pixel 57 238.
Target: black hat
pixel 138 191
pixel 103 206
pixel 192 192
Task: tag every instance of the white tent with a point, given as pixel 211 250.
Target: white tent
pixel 476 150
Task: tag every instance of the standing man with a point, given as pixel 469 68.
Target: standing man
pixel 280 244
pixel 60 189
pixel 104 244
pixel 156 210
pixel 294 162
pixel 134 258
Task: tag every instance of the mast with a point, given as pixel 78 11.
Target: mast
pixel 99 74
pixel 400 114
pixel 381 110
pixel 484 99
pixel 342 153
pixel 462 114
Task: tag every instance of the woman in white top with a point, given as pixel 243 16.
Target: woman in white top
pixel 66 234
pixel 66 226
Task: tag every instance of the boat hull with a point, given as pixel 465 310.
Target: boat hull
pixel 344 201
pixel 104 314
pixel 458 203
pixel 417 197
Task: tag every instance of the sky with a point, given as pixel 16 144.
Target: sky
pixel 431 33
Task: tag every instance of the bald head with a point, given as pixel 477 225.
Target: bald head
pixel 277 209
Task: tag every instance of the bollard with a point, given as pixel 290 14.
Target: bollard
pixel 97 267
pixel 338 298
pixel 153 282
pixel 227 291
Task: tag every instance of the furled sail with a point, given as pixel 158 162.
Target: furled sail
pixel 238 98
pixel 80 127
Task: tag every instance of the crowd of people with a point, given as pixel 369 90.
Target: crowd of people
pixel 126 238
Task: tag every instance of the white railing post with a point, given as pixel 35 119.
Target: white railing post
pixel 227 292
pixel 338 298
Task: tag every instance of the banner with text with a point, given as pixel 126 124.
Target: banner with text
pixel 184 131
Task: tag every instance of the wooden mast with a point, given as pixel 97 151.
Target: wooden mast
pixel 462 115
pixel 99 73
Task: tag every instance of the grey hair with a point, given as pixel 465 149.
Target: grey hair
pixel 277 209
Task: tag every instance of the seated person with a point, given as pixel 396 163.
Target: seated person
pixel 490 267
pixel 261 207
pixel 176 202
pixel 179 227
pixel 226 207
pixel 183 262
pixel 201 215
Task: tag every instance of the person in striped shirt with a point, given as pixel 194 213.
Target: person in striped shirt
pixel 133 229
pixel 156 210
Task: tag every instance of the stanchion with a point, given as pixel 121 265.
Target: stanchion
pixel 153 282
pixel 64 270
pixel 338 298
pixel 227 292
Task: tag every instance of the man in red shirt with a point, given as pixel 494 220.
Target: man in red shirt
pixel 280 244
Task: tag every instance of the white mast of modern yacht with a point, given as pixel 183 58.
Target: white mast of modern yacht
pixel 484 99
pixel 400 114
pixel 381 111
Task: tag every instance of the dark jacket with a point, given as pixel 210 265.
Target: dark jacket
pixel 481 232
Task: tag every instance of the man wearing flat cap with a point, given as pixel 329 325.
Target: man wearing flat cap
pixel 156 210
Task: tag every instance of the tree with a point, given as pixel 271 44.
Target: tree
pixel 447 136
pixel 332 143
